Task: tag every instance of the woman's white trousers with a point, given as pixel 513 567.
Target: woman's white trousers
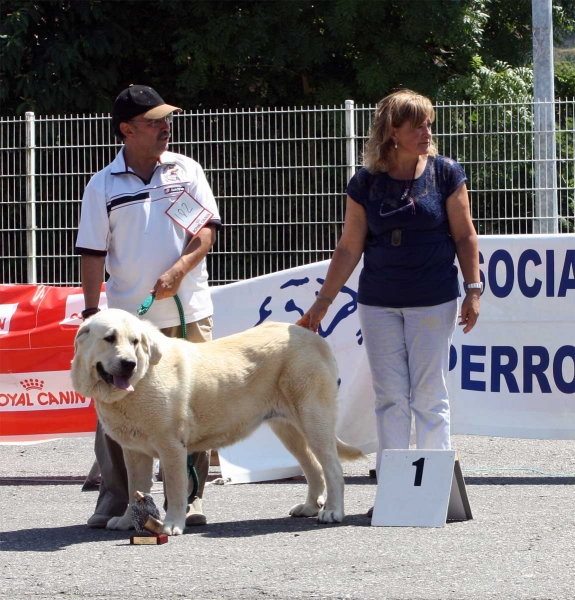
pixel 408 353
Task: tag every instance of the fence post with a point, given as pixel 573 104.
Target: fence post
pixel 350 138
pixel 546 210
pixel 31 197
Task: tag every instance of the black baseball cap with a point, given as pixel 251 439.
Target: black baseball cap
pixel 141 100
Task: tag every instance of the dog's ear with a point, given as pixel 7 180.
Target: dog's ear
pixel 81 334
pixel 151 346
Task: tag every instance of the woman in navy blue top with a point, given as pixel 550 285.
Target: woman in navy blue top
pixel 408 214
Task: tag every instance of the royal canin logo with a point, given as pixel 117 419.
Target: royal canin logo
pixel 37 398
pixel 32 384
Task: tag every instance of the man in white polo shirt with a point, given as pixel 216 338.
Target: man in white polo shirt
pixel 125 228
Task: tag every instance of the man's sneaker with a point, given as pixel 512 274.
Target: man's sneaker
pixel 195 515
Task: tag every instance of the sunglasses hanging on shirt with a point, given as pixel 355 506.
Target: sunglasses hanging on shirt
pixel 405 197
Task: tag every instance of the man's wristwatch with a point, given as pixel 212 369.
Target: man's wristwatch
pixel 88 312
pixel 473 286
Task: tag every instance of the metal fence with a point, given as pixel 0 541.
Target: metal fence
pixel 279 177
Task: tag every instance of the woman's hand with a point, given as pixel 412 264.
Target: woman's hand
pixel 469 311
pixel 314 315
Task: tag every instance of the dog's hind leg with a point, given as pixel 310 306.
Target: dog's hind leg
pixel 320 436
pixel 140 470
pixel 294 441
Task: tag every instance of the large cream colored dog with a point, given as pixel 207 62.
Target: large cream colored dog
pixel 166 398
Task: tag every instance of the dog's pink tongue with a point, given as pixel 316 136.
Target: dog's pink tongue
pixel 123 383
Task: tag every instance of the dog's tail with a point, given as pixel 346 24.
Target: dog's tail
pixel 347 452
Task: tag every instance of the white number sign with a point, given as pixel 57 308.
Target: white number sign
pixel 187 212
pixel 420 488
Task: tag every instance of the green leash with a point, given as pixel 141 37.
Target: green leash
pixel 147 304
pixel 142 310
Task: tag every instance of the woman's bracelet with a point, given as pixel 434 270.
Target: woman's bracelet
pixel 328 300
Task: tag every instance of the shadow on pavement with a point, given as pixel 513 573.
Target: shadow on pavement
pixel 300 480
pixel 519 480
pixel 44 480
pixel 53 539
pixel 257 527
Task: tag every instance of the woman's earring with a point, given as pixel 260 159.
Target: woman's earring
pixel 395 145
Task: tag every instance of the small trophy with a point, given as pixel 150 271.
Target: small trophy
pixel 146 519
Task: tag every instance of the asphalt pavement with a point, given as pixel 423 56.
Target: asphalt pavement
pixel 518 545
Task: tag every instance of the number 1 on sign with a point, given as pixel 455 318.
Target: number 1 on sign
pixel 418 464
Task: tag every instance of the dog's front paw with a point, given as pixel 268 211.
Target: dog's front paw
pixel 330 516
pixel 122 523
pixel 305 510
pixel 174 528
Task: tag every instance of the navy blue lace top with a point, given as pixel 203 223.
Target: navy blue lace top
pixel 409 253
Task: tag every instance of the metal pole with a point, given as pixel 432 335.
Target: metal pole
pixel 546 210
pixel 31 197
pixel 350 138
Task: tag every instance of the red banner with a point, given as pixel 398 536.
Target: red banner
pixel 37 329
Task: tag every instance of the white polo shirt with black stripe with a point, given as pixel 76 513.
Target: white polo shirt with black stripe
pixel 124 219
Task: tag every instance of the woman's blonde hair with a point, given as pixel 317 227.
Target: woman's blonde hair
pixel 392 111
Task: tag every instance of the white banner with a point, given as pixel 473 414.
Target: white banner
pixel 512 376
pixel 284 297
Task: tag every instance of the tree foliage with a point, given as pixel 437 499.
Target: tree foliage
pixel 66 56
pixel 565 79
pixel 497 83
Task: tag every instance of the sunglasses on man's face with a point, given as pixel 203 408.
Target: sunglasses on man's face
pixel 155 123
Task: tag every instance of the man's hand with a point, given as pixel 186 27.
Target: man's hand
pixel 168 284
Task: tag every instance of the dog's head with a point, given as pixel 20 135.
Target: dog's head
pixel 112 352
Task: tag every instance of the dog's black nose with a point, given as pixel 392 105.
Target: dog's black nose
pixel 128 366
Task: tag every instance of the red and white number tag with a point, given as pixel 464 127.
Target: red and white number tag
pixel 187 212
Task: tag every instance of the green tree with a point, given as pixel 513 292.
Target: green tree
pixel 565 79
pixel 66 56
